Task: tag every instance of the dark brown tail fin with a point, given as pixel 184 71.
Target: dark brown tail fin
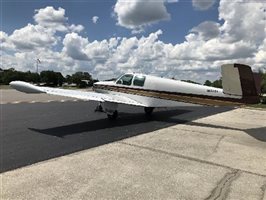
pixel 238 80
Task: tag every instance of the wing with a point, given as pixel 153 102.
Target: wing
pixel 93 96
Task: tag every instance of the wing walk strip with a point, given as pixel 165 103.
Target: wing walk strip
pixel 187 98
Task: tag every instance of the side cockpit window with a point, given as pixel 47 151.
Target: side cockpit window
pixel 125 80
pixel 139 80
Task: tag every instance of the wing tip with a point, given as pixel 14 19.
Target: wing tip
pixel 25 87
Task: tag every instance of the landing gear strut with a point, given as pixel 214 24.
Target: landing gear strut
pixel 98 108
pixel 148 110
pixel 112 116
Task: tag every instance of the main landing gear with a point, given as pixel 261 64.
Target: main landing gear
pixel 148 110
pixel 98 108
pixel 111 110
pixel 112 116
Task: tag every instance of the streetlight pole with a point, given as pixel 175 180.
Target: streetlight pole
pixel 37 65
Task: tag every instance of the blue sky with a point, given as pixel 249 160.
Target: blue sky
pixel 17 14
pixel 185 39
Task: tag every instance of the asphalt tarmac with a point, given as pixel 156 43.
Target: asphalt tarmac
pixel 33 132
pixel 59 148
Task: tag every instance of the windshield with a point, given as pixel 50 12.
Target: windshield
pixel 125 80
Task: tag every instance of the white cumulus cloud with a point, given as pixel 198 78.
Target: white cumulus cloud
pixel 31 37
pixel 136 14
pixel 243 20
pixel 55 19
pixel 207 30
pixel 51 18
pixel 239 37
pixel 172 1
pixel 95 19
pixel 6 44
pixel 75 28
pixel 203 4
pixel 74 46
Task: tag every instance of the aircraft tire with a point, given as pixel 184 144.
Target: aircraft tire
pixel 148 110
pixel 112 116
pixel 98 108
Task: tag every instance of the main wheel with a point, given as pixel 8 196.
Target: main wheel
pixel 112 116
pixel 98 108
pixel 148 110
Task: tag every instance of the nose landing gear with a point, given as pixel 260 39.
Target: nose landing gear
pixel 109 108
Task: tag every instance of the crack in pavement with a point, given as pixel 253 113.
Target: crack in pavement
pixel 223 187
pixel 263 190
pixel 198 132
pixel 215 149
pixel 189 158
pixel 218 143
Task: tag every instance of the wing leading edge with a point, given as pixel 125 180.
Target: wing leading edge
pixel 84 95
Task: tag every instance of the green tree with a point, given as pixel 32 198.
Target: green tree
pixel 217 83
pixel 68 79
pixel 208 83
pixel 263 82
pixel 60 79
pixel 1 76
pixel 52 78
pixel 6 76
pixel 31 77
pixel 189 81
pixel 11 75
pixel 80 78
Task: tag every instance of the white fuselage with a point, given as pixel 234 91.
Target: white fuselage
pixel 162 92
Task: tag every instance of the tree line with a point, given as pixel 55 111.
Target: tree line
pixel 81 79
pixel 49 78
pixel 263 82
pixel 218 83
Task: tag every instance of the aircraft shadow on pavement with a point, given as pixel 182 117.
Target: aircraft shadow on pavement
pixel 62 140
pixel 42 144
pixel 125 120
pixel 165 118
pixel 134 123
pixel 257 133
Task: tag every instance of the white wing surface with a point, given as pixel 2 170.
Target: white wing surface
pixel 93 96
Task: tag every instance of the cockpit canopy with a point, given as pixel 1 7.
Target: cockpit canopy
pixel 138 80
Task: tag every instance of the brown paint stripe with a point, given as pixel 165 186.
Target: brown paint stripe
pixel 187 98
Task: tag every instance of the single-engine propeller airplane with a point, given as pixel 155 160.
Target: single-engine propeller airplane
pixel 151 92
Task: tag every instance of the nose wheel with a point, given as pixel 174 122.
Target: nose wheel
pixel 112 116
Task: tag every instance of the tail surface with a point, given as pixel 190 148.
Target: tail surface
pixel 238 79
